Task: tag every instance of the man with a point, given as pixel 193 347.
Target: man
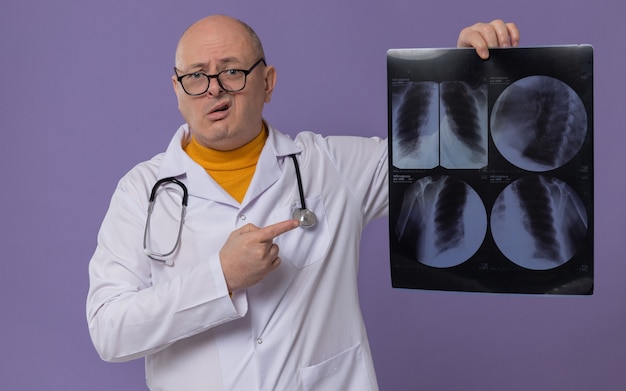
pixel 245 297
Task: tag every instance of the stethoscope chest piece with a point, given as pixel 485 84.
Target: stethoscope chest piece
pixel 305 216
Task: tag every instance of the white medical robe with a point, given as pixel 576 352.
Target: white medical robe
pixel 300 328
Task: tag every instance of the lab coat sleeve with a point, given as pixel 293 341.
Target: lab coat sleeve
pixel 362 163
pixel 128 315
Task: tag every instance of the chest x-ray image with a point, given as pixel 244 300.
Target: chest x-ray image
pixel 416 125
pixel 491 170
pixel 463 125
pixel 439 124
pixel 539 222
pixel 444 219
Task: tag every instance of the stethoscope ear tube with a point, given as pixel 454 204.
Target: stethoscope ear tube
pixel 173 180
pixel 161 256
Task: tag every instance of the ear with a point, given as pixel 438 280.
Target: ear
pixel 270 82
pixel 175 84
pixel 178 90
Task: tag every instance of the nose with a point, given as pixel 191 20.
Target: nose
pixel 214 87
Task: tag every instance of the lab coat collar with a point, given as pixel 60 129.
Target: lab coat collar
pixel 280 144
pixel 176 163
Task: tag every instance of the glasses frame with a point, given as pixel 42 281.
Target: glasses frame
pixel 216 76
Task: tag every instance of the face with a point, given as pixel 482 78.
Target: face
pixel 222 120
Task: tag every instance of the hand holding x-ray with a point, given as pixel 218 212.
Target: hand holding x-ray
pixel 483 36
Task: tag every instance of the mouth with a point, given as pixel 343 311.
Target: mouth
pixel 219 108
pixel 218 111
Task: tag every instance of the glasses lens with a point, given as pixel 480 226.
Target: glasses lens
pixel 195 83
pixel 232 80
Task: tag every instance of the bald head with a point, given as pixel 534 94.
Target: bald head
pixel 205 29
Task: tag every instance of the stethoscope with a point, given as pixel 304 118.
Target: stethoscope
pixel 303 214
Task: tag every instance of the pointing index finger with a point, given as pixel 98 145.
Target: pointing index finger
pixel 271 231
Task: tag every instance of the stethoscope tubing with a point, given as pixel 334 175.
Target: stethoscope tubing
pixel 173 180
pixel 307 217
pixel 299 179
pixel 152 254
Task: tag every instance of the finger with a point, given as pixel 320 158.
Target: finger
pixel 271 231
pixel 272 252
pixel 497 34
pixel 247 229
pixel 477 37
pixel 513 34
pixel 275 263
pixel 273 258
pixel 500 34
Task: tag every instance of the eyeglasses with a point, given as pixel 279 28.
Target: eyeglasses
pixel 230 80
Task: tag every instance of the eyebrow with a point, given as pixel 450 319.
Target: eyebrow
pixel 220 62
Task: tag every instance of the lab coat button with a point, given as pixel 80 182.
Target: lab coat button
pixel 259 341
pixel 242 217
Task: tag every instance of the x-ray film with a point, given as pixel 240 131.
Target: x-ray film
pixel 491 170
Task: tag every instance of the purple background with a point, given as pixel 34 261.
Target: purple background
pixel 86 94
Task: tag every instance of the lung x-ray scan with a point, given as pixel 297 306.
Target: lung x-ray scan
pixel 491 169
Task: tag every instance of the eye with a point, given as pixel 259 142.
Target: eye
pixel 195 76
pixel 232 73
